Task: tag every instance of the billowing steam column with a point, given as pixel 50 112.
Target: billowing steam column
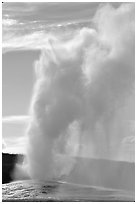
pixel 83 95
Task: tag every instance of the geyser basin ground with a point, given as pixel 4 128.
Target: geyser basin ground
pixel 115 183
pixel 56 191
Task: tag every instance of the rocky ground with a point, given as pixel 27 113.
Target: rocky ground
pixel 58 191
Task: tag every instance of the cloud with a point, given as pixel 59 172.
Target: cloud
pixel 16 119
pixel 3 144
pixel 8 22
pixel 14 31
pixel 34 41
pixel 15 144
pixel 14 133
pixel 16 149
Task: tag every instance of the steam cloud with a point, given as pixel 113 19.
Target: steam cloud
pixel 83 86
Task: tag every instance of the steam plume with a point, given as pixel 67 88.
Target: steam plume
pixel 82 84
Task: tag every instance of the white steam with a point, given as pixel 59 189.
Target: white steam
pixel 82 84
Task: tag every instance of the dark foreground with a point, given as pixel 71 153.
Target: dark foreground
pixel 8 165
pixel 58 191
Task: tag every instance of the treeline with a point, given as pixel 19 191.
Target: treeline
pixel 8 164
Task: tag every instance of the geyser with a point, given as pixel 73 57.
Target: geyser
pixel 83 95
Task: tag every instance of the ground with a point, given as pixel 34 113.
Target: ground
pixel 58 191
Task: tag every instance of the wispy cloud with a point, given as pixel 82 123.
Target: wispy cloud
pixel 26 25
pixel 8 22
pixel 3 144
pixel 16 119
pixel 15 144
pixel 34 41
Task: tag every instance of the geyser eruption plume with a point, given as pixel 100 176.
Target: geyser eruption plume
pixel 82 84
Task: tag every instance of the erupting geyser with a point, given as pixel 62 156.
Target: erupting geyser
pixel 83 95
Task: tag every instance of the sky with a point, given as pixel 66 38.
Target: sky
pixel 25 27
pixel 18 79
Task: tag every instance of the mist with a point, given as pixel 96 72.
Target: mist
pixel 83 95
